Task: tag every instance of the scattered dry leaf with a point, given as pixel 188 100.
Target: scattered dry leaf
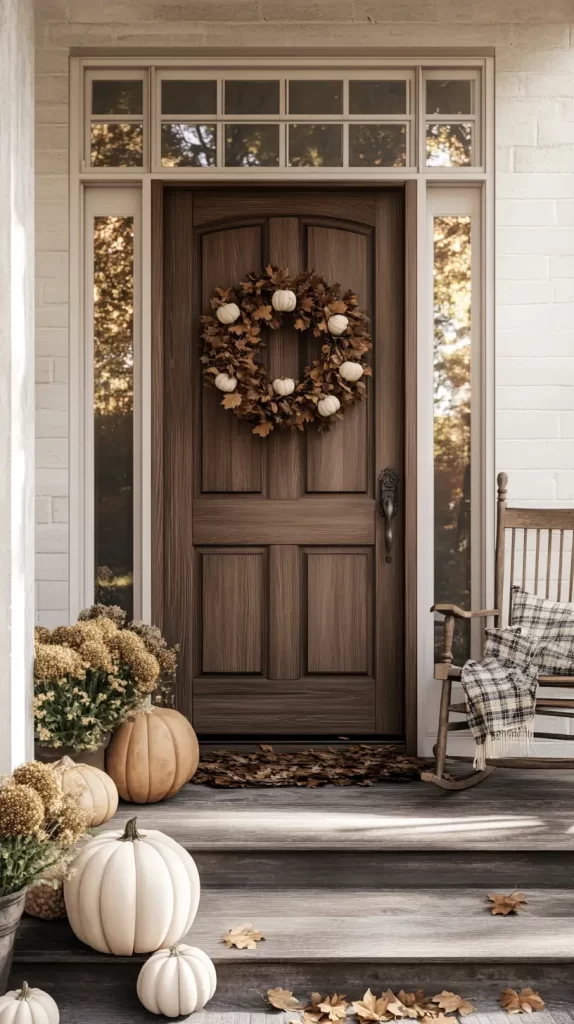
pixel 386 1007
pixel 243 936
pixel 502 904
pixel 334 1007
pixel 525 1001
pixel 283 999
pixel 453 1003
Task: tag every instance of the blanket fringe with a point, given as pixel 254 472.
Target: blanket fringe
pixel 514 742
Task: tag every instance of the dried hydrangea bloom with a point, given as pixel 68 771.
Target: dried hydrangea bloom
pixel 112 612
pixel 96 655
pixel 21 811
pixel 53 662
pixel 70 824
pixel 132 652
pixel 45 781
pixel 156 645
pixel 42 634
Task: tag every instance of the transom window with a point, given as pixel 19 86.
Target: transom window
pixel 303 120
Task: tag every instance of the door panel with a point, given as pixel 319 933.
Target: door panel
pixel 276 583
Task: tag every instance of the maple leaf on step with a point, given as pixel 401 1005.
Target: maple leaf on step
pixel 334 1007
pixel 525 1001
pixel 453 1003
pixel 283 999
pixel 502 904
pixel 371 1008
pixel 417 1005
pixel 311 1013
pixel 243 936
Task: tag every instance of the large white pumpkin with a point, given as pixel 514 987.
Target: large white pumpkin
pixel 329 405
pixel 177 981
pixel 132 891
pixel 95 791
pixel 337 324
pixel 350 370
pixel 227 313
pixel 284 300
pixel 283 386
pixel 28 1006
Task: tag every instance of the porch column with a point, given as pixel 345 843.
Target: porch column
pixel 16 380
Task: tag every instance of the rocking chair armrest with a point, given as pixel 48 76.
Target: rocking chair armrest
pixel 459 613
pixel 444 670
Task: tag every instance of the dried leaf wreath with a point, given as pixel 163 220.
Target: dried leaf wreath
pixel 233 340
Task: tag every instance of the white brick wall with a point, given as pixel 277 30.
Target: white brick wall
pixel 535 204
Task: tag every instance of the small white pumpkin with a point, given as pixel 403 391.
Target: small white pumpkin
pixel 351 371
pixel 132 892
pixel 95 791
pixel 329 405
pixel 284 300
pixel 28 1006
pixel 337 324
pixel 227 313
pixel 283 386
pixel 177 981
pixel 225 383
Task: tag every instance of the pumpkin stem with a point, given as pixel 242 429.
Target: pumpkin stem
pixel 174 950
pixel 65 762
pixel 130 832
pixel 24 991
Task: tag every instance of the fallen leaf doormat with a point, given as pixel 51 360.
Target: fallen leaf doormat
pixel 360 765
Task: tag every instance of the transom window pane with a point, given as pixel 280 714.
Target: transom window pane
pixel 121 97
pixel 449 145
pixel 188 145
pixel 377 97
pixel 188 97
pixel 252 145
pixel 116 144
pixel 315 97
pixel 252 97
pixel 449 96
pixel 315 145
pixel 377 145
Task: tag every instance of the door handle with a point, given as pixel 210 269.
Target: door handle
pixel 388 506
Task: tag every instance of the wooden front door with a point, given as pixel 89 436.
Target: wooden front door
pixel 275 578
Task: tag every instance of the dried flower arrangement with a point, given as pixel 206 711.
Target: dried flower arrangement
pixel 90 677
pixel 39 827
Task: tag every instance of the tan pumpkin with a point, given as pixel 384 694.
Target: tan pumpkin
pixel 96 792
pixel 152 757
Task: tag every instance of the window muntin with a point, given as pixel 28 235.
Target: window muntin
pixel 452 118
pixel 115 134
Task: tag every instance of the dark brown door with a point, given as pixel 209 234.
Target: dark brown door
pixel 275 578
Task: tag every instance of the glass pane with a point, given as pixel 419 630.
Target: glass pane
pixel 188 97
pixel 315 97
pixel 188 145
pixel 452 409
pixel 377 145
pixel 116 145
pixel 449 97
pixel 113 410
pixel 378 97
pixel 252 97
pixel 252 145
pixel 449 145
pixel 315 145
pixel 117 97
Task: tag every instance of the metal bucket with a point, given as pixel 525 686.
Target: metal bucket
pixel 95 758
pixel 11 908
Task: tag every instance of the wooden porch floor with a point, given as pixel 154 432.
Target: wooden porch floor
pixel 512 810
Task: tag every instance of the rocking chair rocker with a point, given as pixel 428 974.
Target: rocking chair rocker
pixel 517 522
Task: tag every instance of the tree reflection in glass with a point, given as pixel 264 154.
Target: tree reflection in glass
pixel 377 145
pixel 252 145
pixel 449 145
pixel 116 145
pixel 188 145
pixel 452 410
pixel 315 145
pixel 113 410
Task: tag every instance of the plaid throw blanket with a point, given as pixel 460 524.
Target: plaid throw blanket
pixel 500 694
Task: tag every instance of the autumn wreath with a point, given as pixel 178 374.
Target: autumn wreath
pixel 233 338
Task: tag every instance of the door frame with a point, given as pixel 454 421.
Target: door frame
pixel 408 485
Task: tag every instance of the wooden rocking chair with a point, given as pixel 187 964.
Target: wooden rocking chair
pixel 557 574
